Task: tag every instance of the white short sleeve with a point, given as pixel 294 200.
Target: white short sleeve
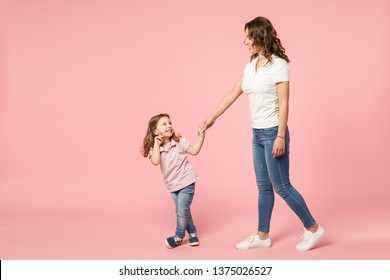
pixel 280 71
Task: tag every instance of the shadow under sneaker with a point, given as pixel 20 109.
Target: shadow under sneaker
pixel 253 241
pixel 309 239
pixel 173 241
pixel 194 240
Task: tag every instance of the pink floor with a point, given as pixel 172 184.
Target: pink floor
pixel 94 234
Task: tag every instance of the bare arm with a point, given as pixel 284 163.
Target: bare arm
pixel 195 149
pixel 226 102
pixel 283 96
pixel 155 158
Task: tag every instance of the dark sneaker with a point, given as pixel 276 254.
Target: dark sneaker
pixel 173 241
pixel 194 240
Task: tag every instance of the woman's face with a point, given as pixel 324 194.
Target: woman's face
pixel 250 44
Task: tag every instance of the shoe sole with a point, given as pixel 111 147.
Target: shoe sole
pixel 254 247
pixel 194 244
pixel 314 244
pixel 169 246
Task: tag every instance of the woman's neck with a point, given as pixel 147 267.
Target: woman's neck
pixel 261 58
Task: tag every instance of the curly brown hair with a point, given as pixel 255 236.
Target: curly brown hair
pixel 149 138
pixel 263 34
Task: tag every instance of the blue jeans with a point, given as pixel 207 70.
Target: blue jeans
pixel 272 174
pixel 183 199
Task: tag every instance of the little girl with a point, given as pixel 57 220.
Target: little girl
pixel 165 148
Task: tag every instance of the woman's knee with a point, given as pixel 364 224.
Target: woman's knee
pixel 283 190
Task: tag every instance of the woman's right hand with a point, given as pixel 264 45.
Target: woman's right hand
pixel 208 123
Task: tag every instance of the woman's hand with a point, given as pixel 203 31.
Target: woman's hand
pixel 278 148
pixel 208 123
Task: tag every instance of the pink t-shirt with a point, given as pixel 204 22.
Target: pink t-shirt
pixel 176 169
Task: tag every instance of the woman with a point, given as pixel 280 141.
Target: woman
pixel 266 82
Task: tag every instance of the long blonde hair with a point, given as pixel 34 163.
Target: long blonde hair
pixel 149 138
pixel 263 34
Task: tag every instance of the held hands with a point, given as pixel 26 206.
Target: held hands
pixel 208 123
pixel 202 130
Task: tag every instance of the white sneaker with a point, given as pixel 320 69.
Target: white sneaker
pixel 309 239
pixel 253 241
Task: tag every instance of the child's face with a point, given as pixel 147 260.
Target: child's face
pixel 164 127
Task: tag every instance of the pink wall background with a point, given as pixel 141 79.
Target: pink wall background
pixel 80 79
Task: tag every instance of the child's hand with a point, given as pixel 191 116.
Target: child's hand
pixel 158 140
pixel 202 130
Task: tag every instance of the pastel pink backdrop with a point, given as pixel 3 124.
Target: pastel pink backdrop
pixel 80 79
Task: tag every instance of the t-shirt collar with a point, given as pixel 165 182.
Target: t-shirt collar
pixel 172 144
pixel 265 62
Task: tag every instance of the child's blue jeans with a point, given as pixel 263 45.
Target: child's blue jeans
pixel 183 199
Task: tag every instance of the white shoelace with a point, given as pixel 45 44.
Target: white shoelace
pixel 306 236
pixel 177 239
pixel 251 238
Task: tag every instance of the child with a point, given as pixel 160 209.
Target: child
pixel 164 147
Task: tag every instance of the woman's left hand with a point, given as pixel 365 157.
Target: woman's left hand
pixel 279 147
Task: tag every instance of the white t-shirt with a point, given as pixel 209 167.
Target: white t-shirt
pixel 261 89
